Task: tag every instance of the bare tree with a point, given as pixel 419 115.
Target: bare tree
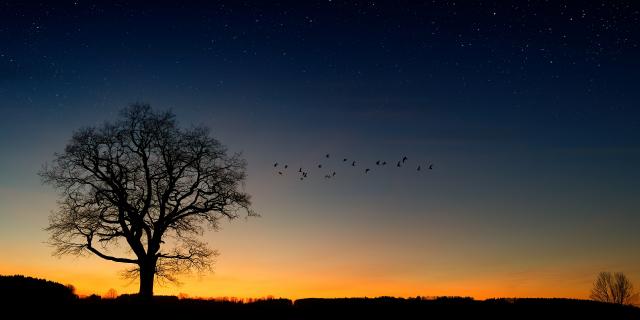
pixel 111 294
pixel 613 288
pixel 145 182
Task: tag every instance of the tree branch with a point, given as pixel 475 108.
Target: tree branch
pixel 108 257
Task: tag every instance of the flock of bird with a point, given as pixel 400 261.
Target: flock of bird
pixel 303 173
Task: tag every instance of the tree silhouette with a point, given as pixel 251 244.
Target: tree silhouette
pixel 146 182
pixel 616 288
pixel 111 294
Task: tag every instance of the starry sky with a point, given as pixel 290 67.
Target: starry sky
pixel 527 109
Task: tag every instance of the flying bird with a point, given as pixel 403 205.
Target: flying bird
pixel 384 163
pixel 344 160
pixel 367 170
pixel 280 172
pixel 319 166
pixel 353 164
pixel 333 174
pixel 286 166
pixel 327 155
pixel 404 159
pixel 398 165
pixel 300 170
pixel 275 164
pixel 431 167
pixel 378 163
pixel 418 168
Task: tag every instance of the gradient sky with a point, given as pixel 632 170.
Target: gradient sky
pixel 528 110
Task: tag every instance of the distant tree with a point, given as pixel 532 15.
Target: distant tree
pixel 146 182
pixel 111 294
pixel 71 288
pixel 613 288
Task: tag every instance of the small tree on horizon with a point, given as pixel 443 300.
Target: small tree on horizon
pixel 149 184
pixel 613 288
pixel 111 294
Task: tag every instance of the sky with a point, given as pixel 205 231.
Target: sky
pixel 528 111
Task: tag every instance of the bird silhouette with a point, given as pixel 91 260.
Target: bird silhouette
pixel 304 174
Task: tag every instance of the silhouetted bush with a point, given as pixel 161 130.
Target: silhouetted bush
pixel 93 297
pixel 21 288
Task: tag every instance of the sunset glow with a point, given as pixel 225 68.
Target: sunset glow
pixel 519 124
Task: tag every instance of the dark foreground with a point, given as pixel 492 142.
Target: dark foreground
pixel 54 302
pixel 348 308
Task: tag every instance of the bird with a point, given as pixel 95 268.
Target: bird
pixel 384 163
pixel 319 166
pixel 404 159
pixel 367 170
pixel 280 172
pixel 378 163
pixel 275 164
pixel 333 174
pixel 431 167
pixel 418 168
pixel 353 164
pixel 344 160
pixel 301 178
pixel 398 165
pixel 286 166
pixel 300 170
pixel 327 155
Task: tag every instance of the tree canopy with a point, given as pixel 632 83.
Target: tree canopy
pixel 144 181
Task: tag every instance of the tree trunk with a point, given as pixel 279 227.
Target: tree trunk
pixel 147 275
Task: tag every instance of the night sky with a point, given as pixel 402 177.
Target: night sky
pixel 528 111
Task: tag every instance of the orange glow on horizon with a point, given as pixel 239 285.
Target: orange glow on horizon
pixel 97 277
pixel 297 258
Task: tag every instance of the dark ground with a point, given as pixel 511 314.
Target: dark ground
pixel 28 298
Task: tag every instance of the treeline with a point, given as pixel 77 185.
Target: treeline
pixel 355 308
pixel 20 288
pixel 35 297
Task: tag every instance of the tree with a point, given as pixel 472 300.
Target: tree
pixel 111 294
pixel 616 288
pixel 145 182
